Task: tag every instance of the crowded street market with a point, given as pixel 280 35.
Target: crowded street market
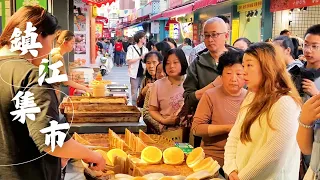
pixel 160 90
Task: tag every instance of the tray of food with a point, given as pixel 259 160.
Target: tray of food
pixel 74 101
pixel 98 113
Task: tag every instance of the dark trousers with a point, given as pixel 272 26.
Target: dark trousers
pixel 117 58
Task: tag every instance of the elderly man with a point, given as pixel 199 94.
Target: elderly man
pixel 202 73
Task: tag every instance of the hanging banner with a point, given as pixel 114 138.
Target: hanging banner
pixel 174 31
pixel 155 28
pixel 279 5
pixel 82 38
pixel 99 28
pixel 250 6
pixel 42 3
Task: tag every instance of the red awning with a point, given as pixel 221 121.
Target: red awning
pixel 203 3
pixel 98 3
pixel 155 17
pixel 178 11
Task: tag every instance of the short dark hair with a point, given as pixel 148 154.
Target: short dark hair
pixel 163 47
pixel 286 43
pixel 187 41
pixel 138 36
pixel 168 39
pixel 147 56
pixel 229 58
pixel 284 31
pixel 224 18
pixel 314 30
pixel 246 40
pixel 182 58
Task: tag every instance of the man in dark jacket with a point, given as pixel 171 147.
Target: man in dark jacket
pixel 202 73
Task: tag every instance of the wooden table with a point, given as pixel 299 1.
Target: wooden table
pixel 119 128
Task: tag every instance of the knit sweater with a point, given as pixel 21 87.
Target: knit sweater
pixel 272 154
pixel 216 107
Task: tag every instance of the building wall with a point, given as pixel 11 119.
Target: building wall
pixel 301 21
pixel 246 28
pixel 127 4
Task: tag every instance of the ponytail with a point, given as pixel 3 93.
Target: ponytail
pixel 63 36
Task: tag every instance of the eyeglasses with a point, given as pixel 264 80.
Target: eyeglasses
pixel 212 35
pixel 311 47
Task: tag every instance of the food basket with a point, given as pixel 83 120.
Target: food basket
pixel 97 113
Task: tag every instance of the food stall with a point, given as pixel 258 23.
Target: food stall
pixel 147 157
pixel 104 122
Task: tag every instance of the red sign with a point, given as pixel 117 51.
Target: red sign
pixel 174 3
pixel 279 5
pixel 195 34
pixel 106 33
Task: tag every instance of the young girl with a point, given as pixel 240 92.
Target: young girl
pixel 167 93
pixel 262 143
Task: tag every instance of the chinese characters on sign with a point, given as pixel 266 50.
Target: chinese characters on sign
pixel 24 101
pixel 279 5
pixel 174 30
pixel 250 6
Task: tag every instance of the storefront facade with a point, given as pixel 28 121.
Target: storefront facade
pixel 295 17
pixel 244 16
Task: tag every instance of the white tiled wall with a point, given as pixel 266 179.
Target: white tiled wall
pixel 301 20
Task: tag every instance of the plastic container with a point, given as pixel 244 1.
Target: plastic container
pixel 99 89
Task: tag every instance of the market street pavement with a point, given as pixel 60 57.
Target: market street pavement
pixel 120 76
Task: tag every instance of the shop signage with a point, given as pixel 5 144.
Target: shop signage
pixel 81 24
pixel 99 28
pixel 42 3
pixel 155 28
pixel 174 30
pixel 250 6
pixel 195 34
pixel 174 3
pixel 279 5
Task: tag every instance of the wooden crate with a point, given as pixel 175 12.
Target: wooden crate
pixel 75 101
pixel 96 113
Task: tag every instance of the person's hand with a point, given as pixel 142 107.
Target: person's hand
pixel 302 58
pixel 170 120
pixel 309 87
pixel 217 81
pixel 64 162
pixel 98 161
pixel 88 90
pixel 146 88
pixel 229 127
pixel 234 176
pixel 310 110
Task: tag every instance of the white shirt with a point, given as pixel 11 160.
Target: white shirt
pixel 133 54
pixel 272 154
